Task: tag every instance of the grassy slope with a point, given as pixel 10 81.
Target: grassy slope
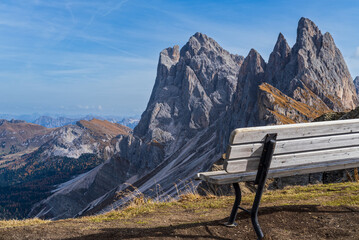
pixel 193 215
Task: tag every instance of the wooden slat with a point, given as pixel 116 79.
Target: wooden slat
pixel 205 175
pixel 222 178
pixel 295 159
pixel 293 145
pixel 257 134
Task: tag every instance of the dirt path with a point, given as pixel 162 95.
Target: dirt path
pixel 278 222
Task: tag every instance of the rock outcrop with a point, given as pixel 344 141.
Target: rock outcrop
pixel 201 93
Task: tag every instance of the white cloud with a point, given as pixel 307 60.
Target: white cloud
pixel 83 107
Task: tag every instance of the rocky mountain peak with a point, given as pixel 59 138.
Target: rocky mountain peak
pixel 190 91
pixel 253 63
pixel 245 106
pixel 201 37
pixel 306 73
pixel 202 40
pixel 199 44
pixel 308 25
pixel 307 34
pixel 278 59
pixel 281 48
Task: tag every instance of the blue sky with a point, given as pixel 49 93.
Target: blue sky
pixel 100 57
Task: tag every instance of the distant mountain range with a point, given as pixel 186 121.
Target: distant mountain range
pixel 59 121
pixel 201 93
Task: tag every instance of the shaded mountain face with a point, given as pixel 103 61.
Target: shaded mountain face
pixel 29 175
pixel 201 93
pixel 356 84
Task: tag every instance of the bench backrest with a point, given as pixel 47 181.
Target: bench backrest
pixel 297 144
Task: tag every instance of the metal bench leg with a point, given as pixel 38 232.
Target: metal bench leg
pixel 231 222
pixel 264 165
pixel 254 211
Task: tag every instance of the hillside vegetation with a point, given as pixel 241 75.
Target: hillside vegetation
pixel 303 212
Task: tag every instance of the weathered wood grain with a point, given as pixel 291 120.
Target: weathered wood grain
pixel 221 177
pixel 294 145
pixel 314 129
pixel 293 159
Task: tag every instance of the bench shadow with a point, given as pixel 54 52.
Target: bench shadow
pixel 172 230
pixel 155 232
pixel 296 208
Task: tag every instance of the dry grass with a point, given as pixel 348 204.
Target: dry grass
pixel 320 194
pixel 20 223
pixel 334 194
pixel 284 101
pixel 104 127
pixel 356 174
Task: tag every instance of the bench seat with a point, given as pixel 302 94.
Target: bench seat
pixel 222 177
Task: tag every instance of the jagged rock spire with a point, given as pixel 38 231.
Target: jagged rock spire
pixel 278 59
pixel 314 72
pixel 308 34
pixel 245 108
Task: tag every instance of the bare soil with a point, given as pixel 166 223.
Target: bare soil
pixel 278 222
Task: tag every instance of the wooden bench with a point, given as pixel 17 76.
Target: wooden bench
pixel 256 153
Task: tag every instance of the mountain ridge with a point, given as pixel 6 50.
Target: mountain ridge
pixel 50 157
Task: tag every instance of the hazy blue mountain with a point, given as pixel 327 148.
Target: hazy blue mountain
pixel 53 122
pixel 59 121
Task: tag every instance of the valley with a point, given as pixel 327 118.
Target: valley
pixel 30 175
